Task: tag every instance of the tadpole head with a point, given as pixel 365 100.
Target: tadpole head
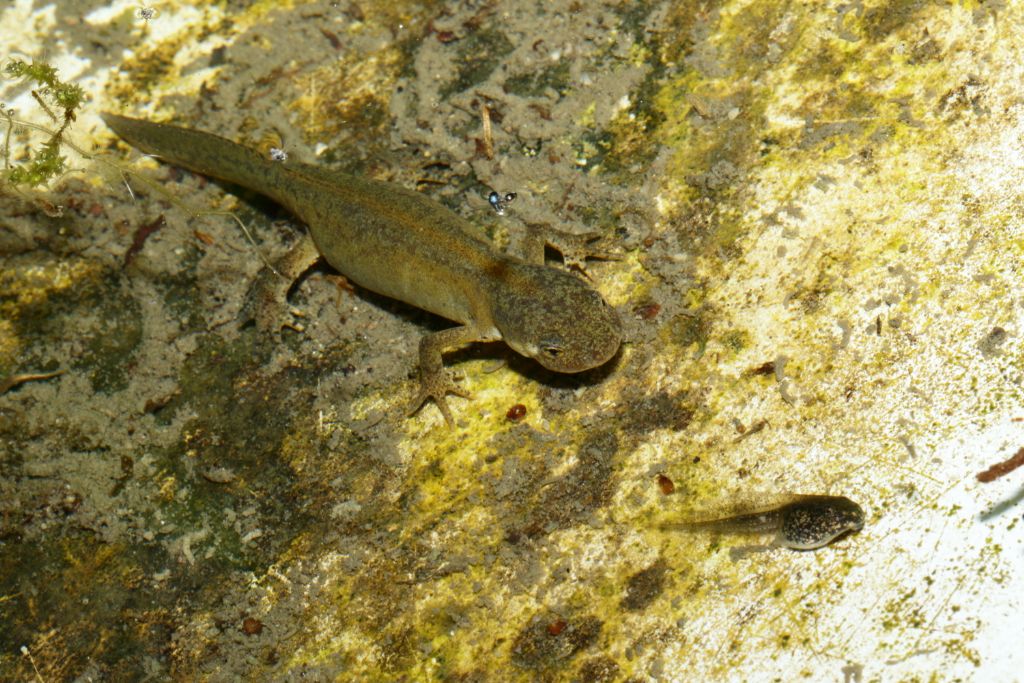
pixel 816 521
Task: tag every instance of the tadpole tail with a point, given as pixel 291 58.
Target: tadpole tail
pixel 205 153
pixel 751 523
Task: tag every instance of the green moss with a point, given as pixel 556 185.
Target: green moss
pixel 242 424
pixel 110 349
pixel 207 377
pixel 690 328
pixel 736 340
pixel 84 587
pixel 644 587
pixel 535 84
pixel 152 64
pixel 549 639
pixel 883 19
pixel 592 147
pixel 633 16
pixel 477 55
pixel 41 298
pixel 634 132
pixel 178 288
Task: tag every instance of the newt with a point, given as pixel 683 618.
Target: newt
pixel 400 243
pixel 804 523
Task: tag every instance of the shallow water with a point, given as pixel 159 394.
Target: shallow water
pixel 817 211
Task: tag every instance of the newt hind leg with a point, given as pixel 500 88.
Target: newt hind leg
pixel 268 298
pixel 574 248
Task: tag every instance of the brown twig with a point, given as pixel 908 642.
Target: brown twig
pixel 25 652
pixel 1002 468
pixel 144 231
pixel 488 139
pixel 42 103
pixel 17 380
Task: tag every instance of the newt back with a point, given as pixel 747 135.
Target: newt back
pixel 386 238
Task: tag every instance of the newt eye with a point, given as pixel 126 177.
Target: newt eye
pixel 551 349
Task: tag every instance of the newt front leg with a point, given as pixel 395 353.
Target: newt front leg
pixel 435 381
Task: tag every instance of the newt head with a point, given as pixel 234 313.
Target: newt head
pixel 556 318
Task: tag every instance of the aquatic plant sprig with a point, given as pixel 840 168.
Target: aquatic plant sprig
pixel 47 163
pixel 125 173
pixel 42 165
pixel 60 101
pixel 67 97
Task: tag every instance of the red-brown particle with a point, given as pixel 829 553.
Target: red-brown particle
pixel 647 311
pixel 341 282
pixel 763 369
pixel 252 627
pixel 516 413
pixel 556 627
pixel 542 111
pixel 667 485
pixel 332 38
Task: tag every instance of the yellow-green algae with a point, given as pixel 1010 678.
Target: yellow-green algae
pixel 827 171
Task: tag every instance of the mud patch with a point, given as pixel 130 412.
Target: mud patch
pixel 644 587
pixel 548 640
